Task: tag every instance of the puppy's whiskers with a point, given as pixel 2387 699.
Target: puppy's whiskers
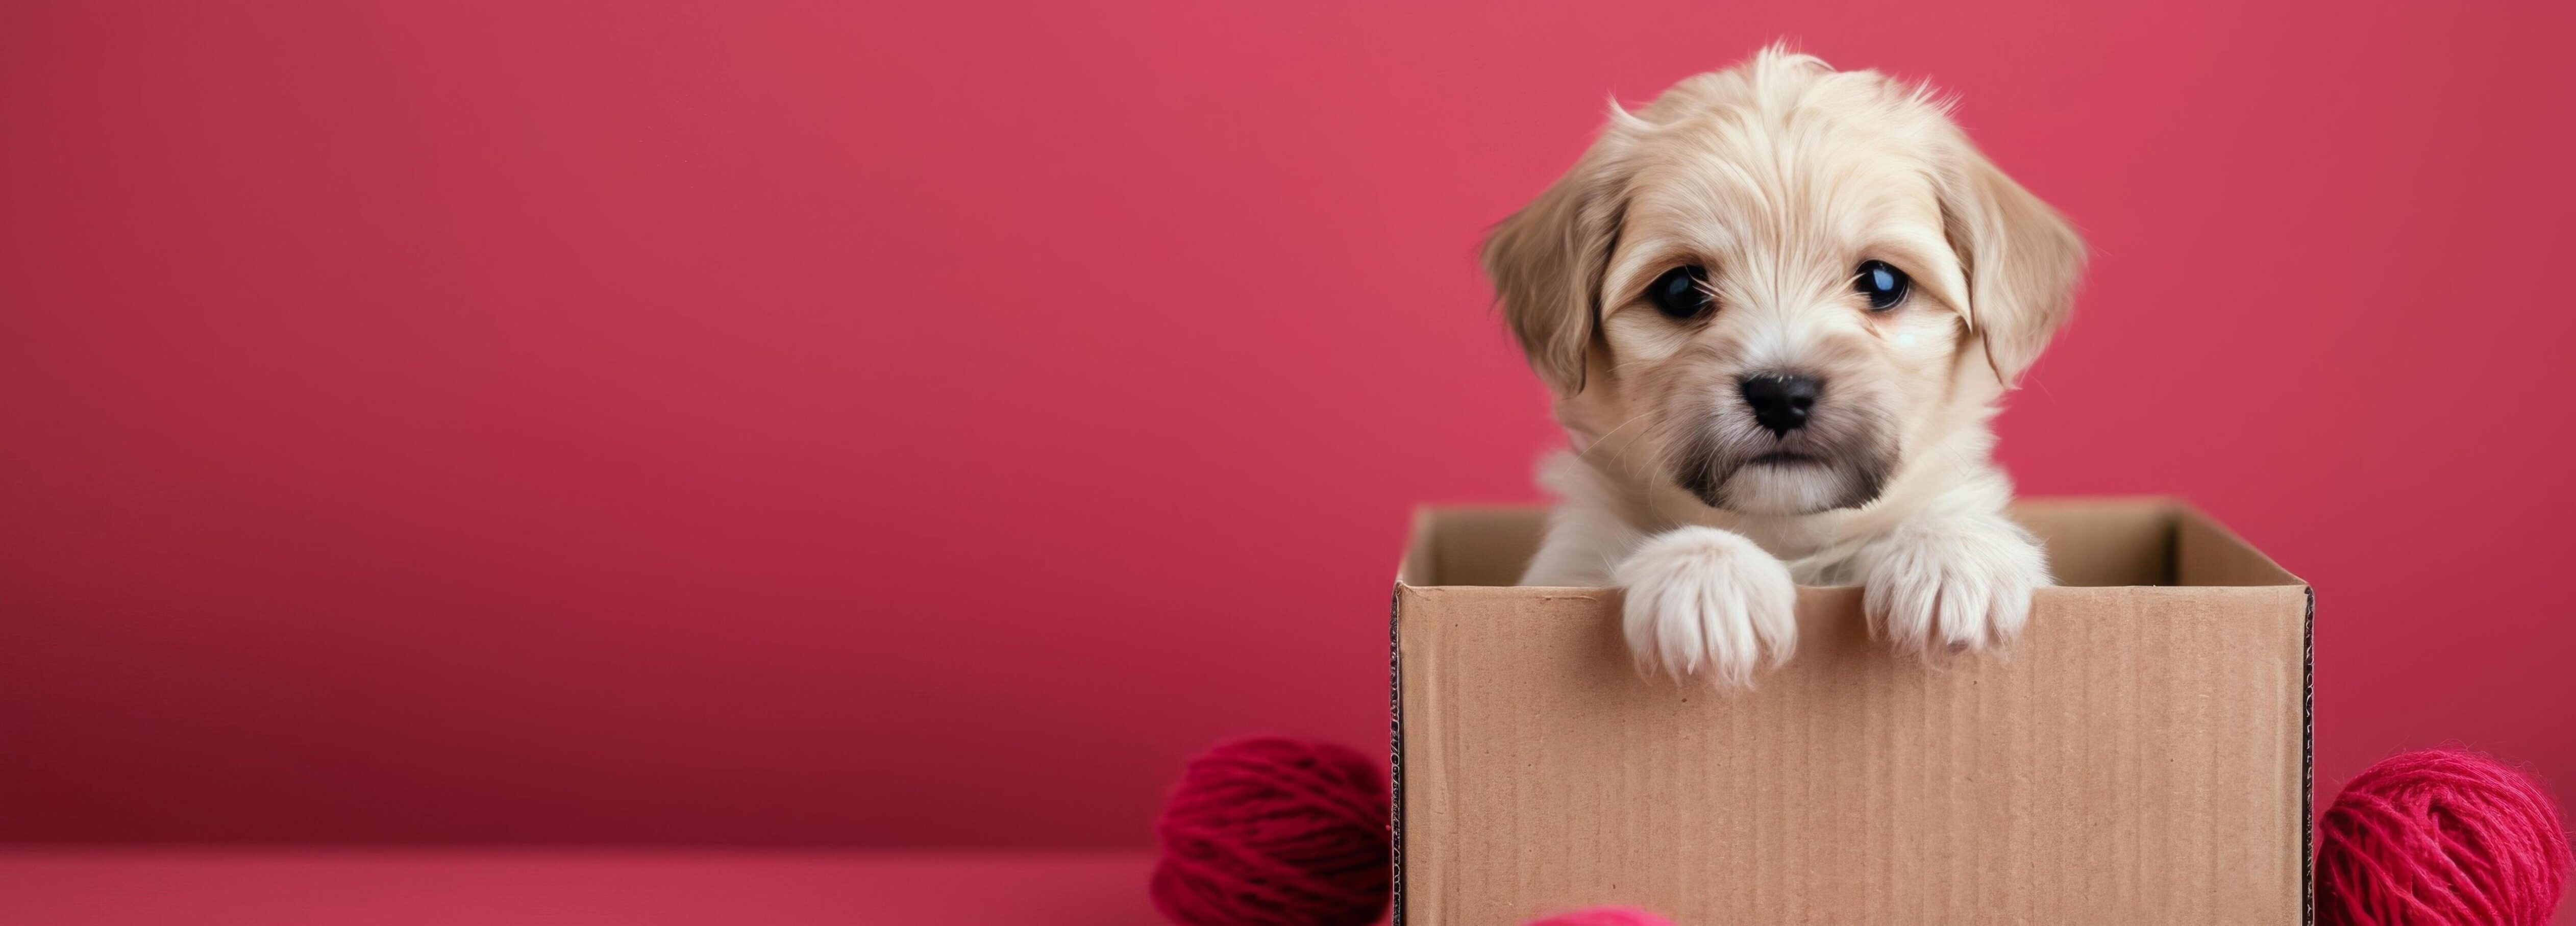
pixel 1622 455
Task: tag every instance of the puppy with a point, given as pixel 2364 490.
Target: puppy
pixel 1778 307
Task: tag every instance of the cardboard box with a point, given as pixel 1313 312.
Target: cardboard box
pixel 2140 756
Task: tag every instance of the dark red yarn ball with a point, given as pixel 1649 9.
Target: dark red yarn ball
pixel 2441 837
pixel 1274 831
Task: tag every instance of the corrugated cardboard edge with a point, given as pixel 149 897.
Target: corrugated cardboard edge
pixel 1419 541
pixel 2307 766
pixel 1395 747
pixel 1417 550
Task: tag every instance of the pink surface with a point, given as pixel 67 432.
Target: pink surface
pixel 567 888
pixel 905 424
pixel 573 887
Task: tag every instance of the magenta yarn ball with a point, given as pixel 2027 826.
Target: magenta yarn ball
pixel 1604 916
pixel 2442 837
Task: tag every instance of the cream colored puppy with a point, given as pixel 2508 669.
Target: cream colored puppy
pixel 1778 306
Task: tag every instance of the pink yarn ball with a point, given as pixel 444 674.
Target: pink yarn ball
pixel 1275 832
pixel 1604 916
pixel 2440 838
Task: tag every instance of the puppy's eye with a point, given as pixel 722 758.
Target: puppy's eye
pixel 1884 285
pixel 1681 292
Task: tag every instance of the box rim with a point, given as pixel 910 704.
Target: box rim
pixel 1422 515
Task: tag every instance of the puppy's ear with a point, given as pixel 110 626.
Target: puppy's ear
pixel 2022 261
pixel 1546 262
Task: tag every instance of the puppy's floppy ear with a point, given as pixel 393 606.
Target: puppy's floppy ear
pixel 2022 261
pixel 1546 262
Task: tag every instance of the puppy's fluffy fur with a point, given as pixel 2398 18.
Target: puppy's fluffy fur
pixel 1780 177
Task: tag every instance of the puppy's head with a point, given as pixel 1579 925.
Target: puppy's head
pixel 1771 284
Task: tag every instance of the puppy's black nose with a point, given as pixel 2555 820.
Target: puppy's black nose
pixel 1780 400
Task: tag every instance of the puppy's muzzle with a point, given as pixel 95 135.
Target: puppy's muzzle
pixel 1780 401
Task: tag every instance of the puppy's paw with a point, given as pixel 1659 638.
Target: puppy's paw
pixel 1702 600
pixel 1956 590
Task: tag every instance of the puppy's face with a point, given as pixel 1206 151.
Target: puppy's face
pixel 1774 282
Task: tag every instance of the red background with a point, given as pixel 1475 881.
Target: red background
pixel 835 423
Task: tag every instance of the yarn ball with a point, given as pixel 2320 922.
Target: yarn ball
pixel 2440 837
pixel 1604 916
pixel 1272 831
